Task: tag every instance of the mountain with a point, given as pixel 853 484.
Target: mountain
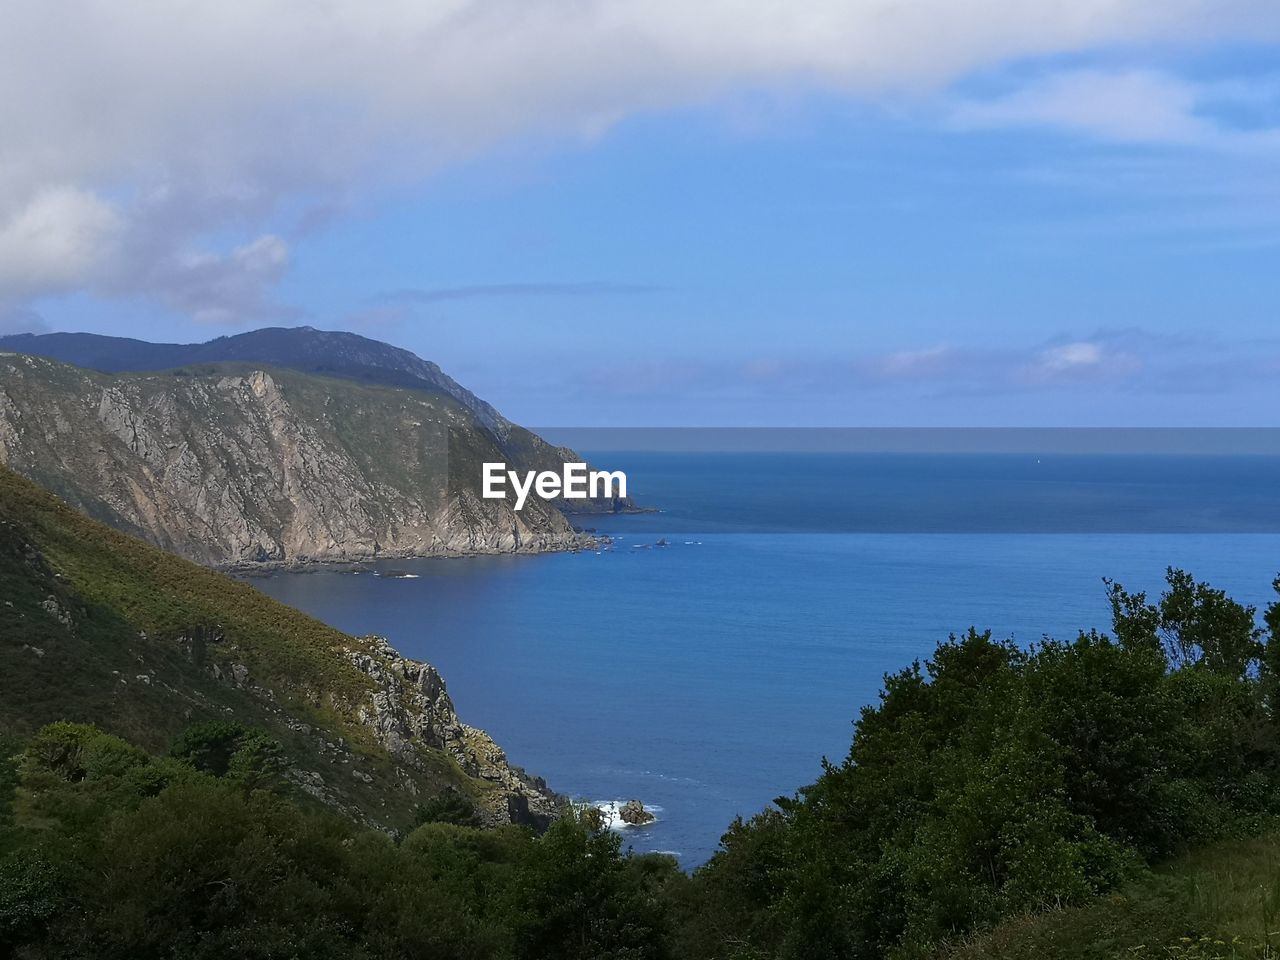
pixel 99 627
pixel 321 446
pixel 334 354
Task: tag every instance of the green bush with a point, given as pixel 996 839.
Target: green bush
pixel 449 806
pixel 116 854
pixel 30 895
pixel 993 781
pixel 989 782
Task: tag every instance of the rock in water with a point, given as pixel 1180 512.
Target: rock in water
pixel 634 813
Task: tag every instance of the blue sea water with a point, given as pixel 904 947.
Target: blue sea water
pixel 710 675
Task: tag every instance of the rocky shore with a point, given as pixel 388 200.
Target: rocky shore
pixel 410 708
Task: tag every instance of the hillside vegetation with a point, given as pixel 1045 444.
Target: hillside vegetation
pixel 1110 796
pixel 96 626
pixel 993 782
pixel 1221 902
pixel 109 853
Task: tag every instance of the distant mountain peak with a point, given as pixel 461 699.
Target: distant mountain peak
pixel 333 353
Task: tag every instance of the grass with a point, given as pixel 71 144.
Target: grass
pixel 1220 902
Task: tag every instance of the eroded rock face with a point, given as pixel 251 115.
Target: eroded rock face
pixel 409 706
pixel 254 466
pixel 634 813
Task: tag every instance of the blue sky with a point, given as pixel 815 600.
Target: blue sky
pixel 1011 229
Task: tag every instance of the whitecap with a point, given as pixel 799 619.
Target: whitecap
pixel 612 808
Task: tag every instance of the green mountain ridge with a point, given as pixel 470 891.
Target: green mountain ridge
pixel 305 349
pixel 96 626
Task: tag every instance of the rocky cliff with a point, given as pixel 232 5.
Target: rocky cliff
pixel 409 707
pixel 99 627
pixel 333 354
pixel 238 463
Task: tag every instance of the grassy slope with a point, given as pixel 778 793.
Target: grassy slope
pixel 1222 901
pixel 137 612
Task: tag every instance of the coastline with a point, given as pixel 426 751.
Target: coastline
pixel 582 543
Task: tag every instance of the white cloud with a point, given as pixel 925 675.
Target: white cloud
pixel 199 116
pixel 914 363
pixel 60 237
pixel 1130 362
pixel 1132 105
pixel 1110 360
pixel 210 287
pixel 1121 106
pixel 1069 356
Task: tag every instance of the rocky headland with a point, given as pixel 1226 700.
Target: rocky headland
pixel 241 465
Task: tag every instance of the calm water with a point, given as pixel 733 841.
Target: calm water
pixel 711 675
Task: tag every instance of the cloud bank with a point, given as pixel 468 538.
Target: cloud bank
pixel 136 138
pixel 1106 362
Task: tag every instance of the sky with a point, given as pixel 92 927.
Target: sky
pixel 627 213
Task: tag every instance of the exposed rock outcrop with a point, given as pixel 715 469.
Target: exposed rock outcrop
pixel 410 706
pixel 634 813
pixel 235 465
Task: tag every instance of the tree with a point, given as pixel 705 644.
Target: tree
pixel 449 806
pixel 227 749
pixel 1192 623
pixel 577 897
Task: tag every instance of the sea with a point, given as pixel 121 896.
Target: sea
pixel 709 656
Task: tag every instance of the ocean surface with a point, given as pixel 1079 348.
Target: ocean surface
pixel 711 674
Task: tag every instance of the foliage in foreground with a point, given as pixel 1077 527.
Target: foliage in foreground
pixel 994 781
pixel 109 852
pixel 1221 902
pixel 1024 793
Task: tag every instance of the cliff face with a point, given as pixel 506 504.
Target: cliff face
pixel 99 627
pixel 235 463
pixel 409 706
pixel 328 353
